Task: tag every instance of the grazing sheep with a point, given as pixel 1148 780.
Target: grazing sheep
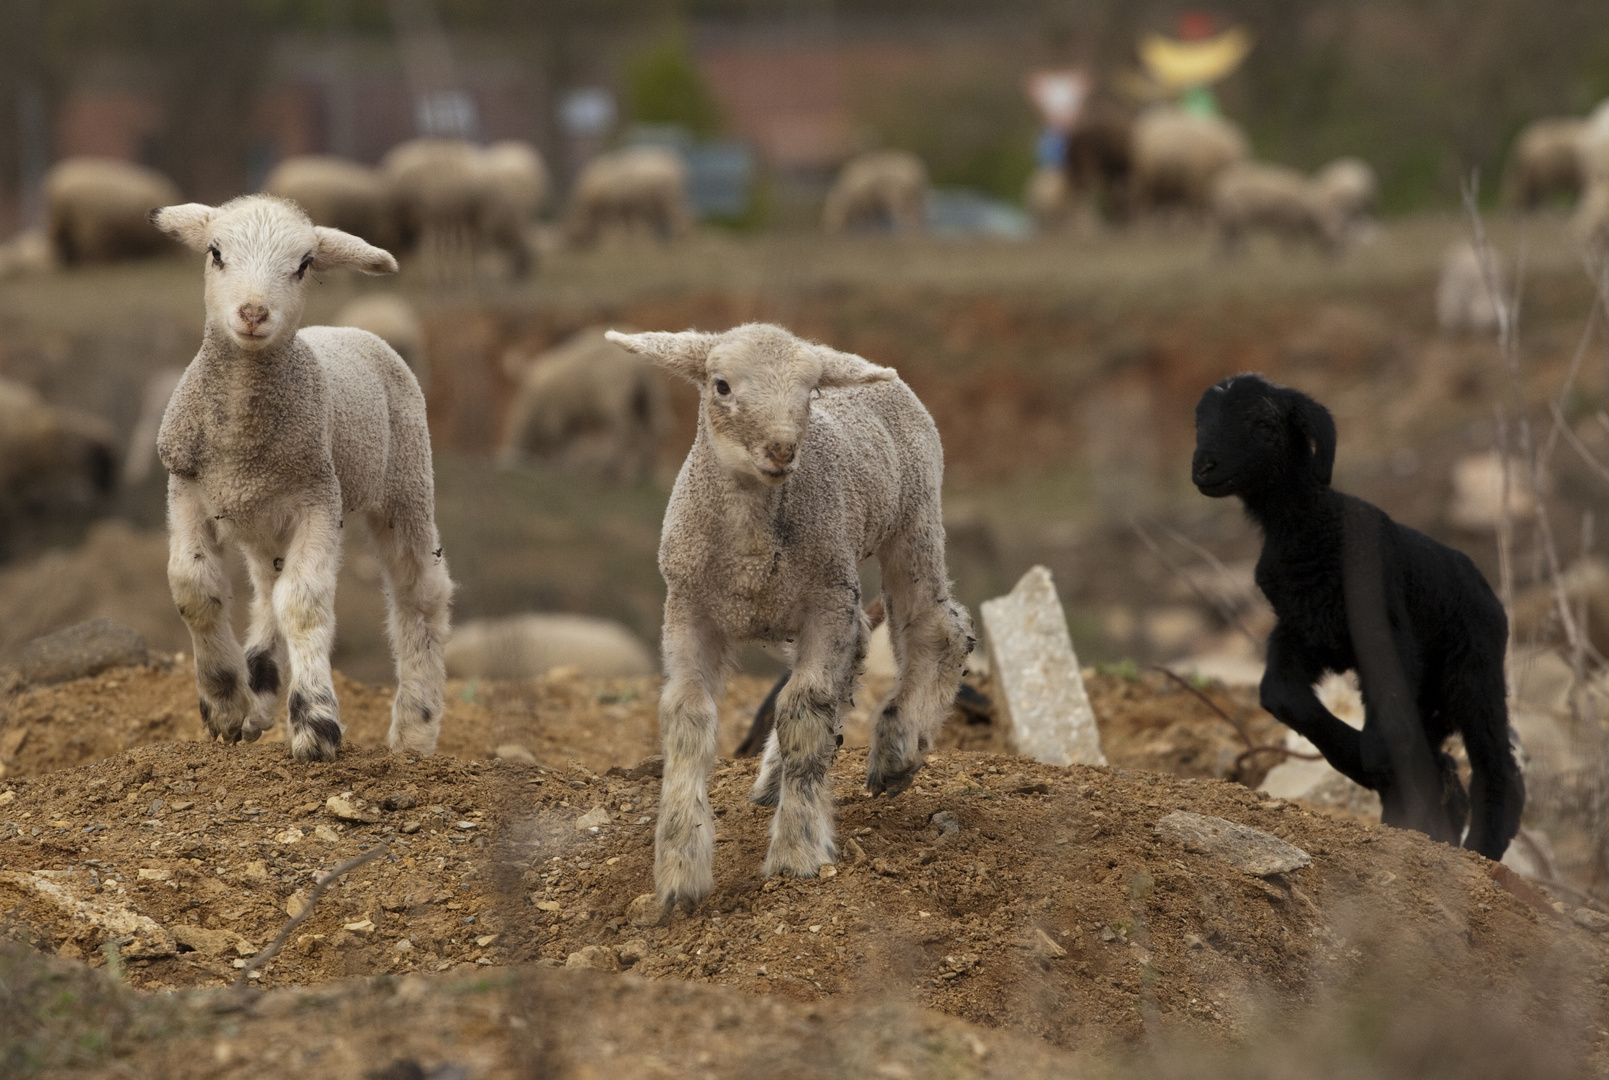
pixel 1544 162
pixel 639 189
pixel 274 437
pixel 1355 590
pixel 394 321
pixel 806 462
pixel 99 209
pixel 337 193
pixel 884 191
pixel 1048 197
pixel 588 407
pixel 528 646
pixel 1464 300
pixel 28 252
pixel 1251 196
pixel 452 199
pixel 1349 188
pixel 1177 155
pixel 50 457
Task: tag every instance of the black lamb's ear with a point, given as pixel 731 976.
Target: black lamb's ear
pixel 1317 429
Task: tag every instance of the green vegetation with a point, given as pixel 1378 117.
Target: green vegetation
pixel 663 86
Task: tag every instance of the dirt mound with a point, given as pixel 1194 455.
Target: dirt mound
pixel 1147 722
pixel 1039 899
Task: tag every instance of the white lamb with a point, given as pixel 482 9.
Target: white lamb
pixel 273 438
pixel 807 461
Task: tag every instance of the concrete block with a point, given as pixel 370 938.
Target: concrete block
pixel 1037 683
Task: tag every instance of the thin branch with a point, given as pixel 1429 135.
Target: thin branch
pixel 1252 748
pixel 1213 602
pixel 323 883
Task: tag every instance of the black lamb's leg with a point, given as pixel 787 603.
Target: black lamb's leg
pixel 1287 693
pixel 765 718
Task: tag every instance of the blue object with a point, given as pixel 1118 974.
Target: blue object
pixel 963 212
pixel 720 172
pixel 1051 150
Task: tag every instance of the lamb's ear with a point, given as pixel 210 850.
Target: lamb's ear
pixel 684 354
pixel 187 223
pixel 1317 429
pixel 847 369
pixel 339 250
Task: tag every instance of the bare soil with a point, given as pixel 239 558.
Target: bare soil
pixel 1052 909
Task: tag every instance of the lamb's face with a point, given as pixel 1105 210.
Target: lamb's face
pixel 756 383
pixel 756 404
pixel 1252 435
pixel 258 257
pixel 259 250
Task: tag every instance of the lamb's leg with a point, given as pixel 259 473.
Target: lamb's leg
pixel 1475 694
pixel 418 590
pixel 696 659
pixel 265 646
pixel 200 587
pixel 1287 693
pixel 304 604
pixel 830 655
pixel 931 635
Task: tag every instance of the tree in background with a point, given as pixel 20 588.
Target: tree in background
pixel 663 86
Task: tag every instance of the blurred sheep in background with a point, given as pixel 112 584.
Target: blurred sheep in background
pixel 98 210
pixel 885 190
pixel 637 190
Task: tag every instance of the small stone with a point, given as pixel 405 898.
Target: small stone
pixel 409 827
pixel 183 804
pixel 1038 685
pixel 1244 848
pixel 210 942
pixel 549 905
pixel 513 751
pixel 592 818
pixel 632 951
pixel 7 797
pixel 946 823
pixel 323 832
pixel 645 911
pixel 362 926
pixel 154 875
pixel 1106 933
pixel 1596 921
pixel 256 870
pixel 596 957
pixel 648 768
pixel 486 939
pixel 828 870
pixel 882 866
pixel 403 946
pixel 466 825
pixel 292 835
pixel 1047 946
pixel 295 902
pixel 77 652
pixel 1193 941
pixel 349 807
pixel 1018 784
pixel 401 800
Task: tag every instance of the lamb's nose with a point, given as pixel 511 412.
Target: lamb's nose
pixel 253 315
pixel 780 454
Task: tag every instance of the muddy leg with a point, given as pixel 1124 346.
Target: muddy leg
pixel 200 586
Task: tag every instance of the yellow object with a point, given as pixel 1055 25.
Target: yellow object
pixel 1180 64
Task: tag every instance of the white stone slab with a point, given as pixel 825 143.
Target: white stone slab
pixel 1036 681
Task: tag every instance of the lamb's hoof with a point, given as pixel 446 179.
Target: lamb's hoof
pixel 682 887
pixel 803 862
pixel 318 742
pixel 890 784
pixel 413 738
pixel 224 720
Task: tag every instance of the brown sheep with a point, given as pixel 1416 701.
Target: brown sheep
pixel 338 193
pixel 885 189
pixel 640 189
pixel 1178 155
pixel 1544 162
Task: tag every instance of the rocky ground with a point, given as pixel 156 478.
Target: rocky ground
pixel 995 911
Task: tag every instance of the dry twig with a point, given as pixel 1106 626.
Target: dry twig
pixel 323 883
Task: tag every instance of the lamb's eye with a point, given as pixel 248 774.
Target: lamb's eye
pixel 307 260
pixel 722 387
pixel 217 259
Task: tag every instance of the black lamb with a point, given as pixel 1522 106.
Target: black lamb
pixel 1354 590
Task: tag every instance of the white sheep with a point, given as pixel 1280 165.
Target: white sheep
pixel 1253 196
pixel 1178 154
pixel 98 210
pixel 883 190
pixel 638 189
pixel 1544 162
pixel 338 193
pixel 529 646
pixel 589 407
pixel 1350 188
pixel 1464 300
pixel 453 198
pixel 807 461
pixel 274 437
